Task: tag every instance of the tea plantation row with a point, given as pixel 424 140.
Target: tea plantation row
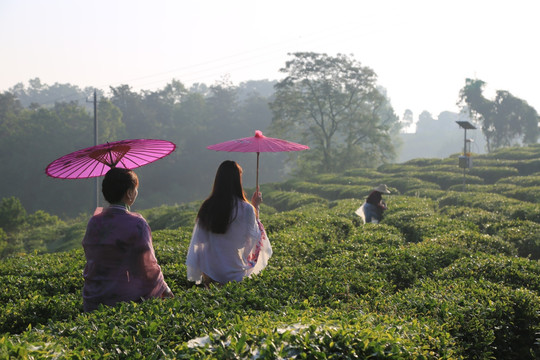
pixel 452 272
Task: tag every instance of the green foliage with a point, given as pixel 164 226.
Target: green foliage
pixel 487 319
pixel 520 153
pixel 483 219
pixel 523 234
pixel 334 103
pixel 407 183
pixel 492 174
pixel 512 271
pixel 446 179
pixel 529 194
pixel 172 217
pixel 506 207
pixel 12 214
pixel 289 200
pixel 524 181
pixel 446 275
pixel 497 188
pixel 506 120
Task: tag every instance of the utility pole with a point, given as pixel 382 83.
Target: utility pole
pixel 96 188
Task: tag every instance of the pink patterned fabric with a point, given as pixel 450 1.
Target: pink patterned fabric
pixel 120 261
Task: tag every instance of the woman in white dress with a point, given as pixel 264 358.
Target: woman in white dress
pixel 229 242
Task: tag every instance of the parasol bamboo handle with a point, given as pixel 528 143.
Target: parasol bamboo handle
pixel 257 178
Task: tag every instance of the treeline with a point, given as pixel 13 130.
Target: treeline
pixel 33 134
pixel 332 104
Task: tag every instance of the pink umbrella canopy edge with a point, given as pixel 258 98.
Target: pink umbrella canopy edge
pixel 95 161
pixel 258 143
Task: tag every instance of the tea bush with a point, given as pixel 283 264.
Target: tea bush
pixel 340 179
pixel 483 219
pixel 523 181
pixel 515 153
pixel 523 234
pixel 170 217
pixel 527 167
pixel 512 271
pixel 487 320
pixel 447 274
pixel 403 183
pixel 446 179
pixel 426 193
pixel 490 202
pixel 363 172
pixel 491 174
pixel 497 188
pixel 289 200
pixel 529 194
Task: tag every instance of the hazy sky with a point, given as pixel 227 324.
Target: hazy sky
pixel 422 51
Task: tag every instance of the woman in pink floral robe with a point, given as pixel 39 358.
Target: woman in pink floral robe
pixel 120 260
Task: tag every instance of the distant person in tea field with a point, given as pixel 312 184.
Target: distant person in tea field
pixel 374 206
pixel 120 260
pixel 229 242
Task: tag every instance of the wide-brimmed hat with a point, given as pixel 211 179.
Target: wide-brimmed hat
pixel 382 189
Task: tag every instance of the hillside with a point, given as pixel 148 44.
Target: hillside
pixel 452 272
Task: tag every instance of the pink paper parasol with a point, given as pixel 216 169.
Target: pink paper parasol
pixel 258 143
pixel 97 160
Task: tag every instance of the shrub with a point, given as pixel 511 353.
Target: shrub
pixel 490 202
pixel 473 241
pixel 527 167
pixel 432 194
pixel 34 309
pixel 488 320
pixel 491 174
pixel 172 217
pixel 511 271
pixel 320 337
pixel 407 183
pixel 290 200
pixel 364 172
pixel 483 219
pixel 446 179
pixel 379 234
pixel 524 181
pixel 516 153
pixel 416 226
pixel 340 179
pixel 490 188
pixel 529 194
pixel 523 234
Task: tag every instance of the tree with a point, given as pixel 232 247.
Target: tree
pixel 47 95
pixel 333 104
pixel 12 214
pixel 407 119
pixel 506 121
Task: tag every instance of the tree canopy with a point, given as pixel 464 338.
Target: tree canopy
pixel 33 135
pixel 333 104
pixel 506 120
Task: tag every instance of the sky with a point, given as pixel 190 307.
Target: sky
pixel 421 50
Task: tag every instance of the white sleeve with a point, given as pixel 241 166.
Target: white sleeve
pixel 196 247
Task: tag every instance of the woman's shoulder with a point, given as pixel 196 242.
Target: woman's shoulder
pixel 136 216
pixel 245 205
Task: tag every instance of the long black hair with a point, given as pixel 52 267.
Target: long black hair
pixel 219 209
